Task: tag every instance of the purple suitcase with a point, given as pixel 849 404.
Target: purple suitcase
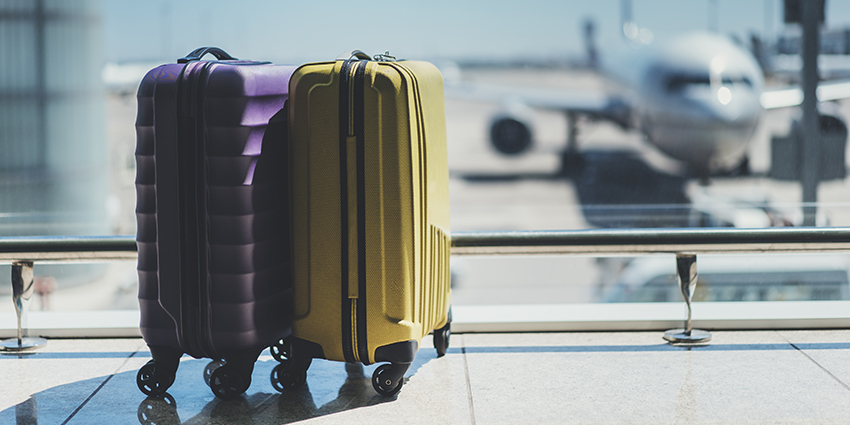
pixel 212 216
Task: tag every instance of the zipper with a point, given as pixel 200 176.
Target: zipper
pixel 351 129
pixel 345 128
pixel 191 177
pixel 360 135
pixel 205 319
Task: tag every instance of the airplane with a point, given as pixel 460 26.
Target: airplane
pixel 698 99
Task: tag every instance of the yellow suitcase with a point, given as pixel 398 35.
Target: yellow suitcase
pixel 370 215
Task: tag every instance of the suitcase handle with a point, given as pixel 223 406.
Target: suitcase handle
pixel 351 54
pixel 198 53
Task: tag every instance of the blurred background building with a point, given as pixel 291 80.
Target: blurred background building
pixel 53 154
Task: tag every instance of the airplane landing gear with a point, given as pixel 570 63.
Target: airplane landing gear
pixel 571 159
pixel 571 163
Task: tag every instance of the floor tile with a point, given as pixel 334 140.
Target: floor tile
pixel 740 377
pixel 829 349
pixel 762 377
pixel 53 382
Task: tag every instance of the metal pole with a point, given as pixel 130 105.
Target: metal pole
pixel 570 158
pixel 22 290
pixel 686 269
pixel 810 143
pixel 572 133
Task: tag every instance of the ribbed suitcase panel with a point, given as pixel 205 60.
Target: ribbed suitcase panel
pixel 246 287
pixel 241 200
pixel 245 211
pixel 247 228
pixel 247 248
pixel 157 325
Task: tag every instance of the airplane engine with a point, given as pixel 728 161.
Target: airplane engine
pixel 510 130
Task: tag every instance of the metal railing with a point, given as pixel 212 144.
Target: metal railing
pixel 544 242
pixel 653 241
pixel 684 243
pixel 24 252
pixel 68 248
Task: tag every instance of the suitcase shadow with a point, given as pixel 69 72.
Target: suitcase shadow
pixel 326 392
pixel 355 392
pixel 332 387
pixel 280 408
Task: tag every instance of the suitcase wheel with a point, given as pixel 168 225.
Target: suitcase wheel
pixel 226 382
pixel 441 339
pixel 284 379
pixel 385 383
pixel 153 380
pixel 210 368
pixel 442 335
pixel 280 351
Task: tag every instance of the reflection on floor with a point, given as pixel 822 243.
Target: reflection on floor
pixel 740 377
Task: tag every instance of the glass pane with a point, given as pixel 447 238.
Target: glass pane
pixel 77 287
pixel 559 115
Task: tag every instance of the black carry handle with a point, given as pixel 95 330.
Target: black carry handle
pixel 353 54
pixel 198 53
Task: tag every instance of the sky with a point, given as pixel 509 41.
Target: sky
pixel 297 31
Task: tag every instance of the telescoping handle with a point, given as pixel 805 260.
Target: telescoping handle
pixel 198 53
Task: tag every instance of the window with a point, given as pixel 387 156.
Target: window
pixel 70 70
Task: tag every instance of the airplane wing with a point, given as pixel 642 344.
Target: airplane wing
pixel 594 104
pixel 793 96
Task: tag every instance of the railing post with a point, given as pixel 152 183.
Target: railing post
pixel 22 290
pixel 686 269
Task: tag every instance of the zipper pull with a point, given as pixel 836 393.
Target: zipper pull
pixel 386 57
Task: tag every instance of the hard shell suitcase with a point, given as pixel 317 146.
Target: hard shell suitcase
pixel 212 215
pixel 370 215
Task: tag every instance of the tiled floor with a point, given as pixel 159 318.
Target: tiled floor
pixel 770 377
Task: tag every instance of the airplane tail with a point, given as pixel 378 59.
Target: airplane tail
pixel 590 43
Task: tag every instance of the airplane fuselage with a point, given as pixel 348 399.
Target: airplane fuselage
pixel 696 99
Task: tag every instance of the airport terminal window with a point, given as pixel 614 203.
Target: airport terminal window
pixel 739 80
pixel 677 82
pixel 71 69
